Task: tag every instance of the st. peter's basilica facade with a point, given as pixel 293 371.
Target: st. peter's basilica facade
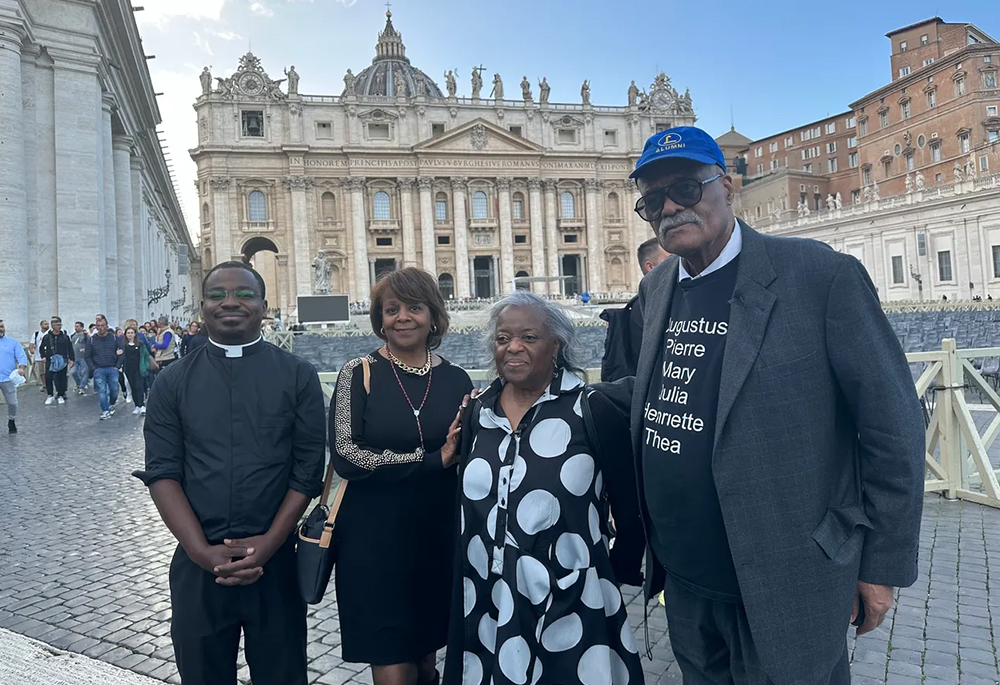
pixel 326 193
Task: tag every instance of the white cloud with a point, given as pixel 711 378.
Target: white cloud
pixel 202 43
pixel 159 11
pixel 225 35
pixel 260 9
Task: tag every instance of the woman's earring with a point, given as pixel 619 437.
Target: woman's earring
pixel 382 330
pixel 434 328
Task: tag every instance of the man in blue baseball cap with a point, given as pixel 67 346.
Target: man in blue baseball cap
pixel 778 439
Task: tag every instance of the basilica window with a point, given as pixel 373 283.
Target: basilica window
pixel 935 152
pixel 382 206
pixel 963 141
pixel 959 87
pixel 328 206
pixel 253 123
pixel 378 131
pixel 324 130
pixel 517 207
pixel 568 204
pixel 441 207
pixel 206 215
pixel 567 136
pixel 990 79
pixel 479 205
pixel 257 207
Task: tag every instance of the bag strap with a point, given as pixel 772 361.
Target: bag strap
pixel 339 497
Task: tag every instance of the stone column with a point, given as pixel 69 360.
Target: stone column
pixel 427 224
pixel 537 233
pixel 13 226
pixel 595 238
pixel 551 235
pixel 221 225
pixel 462 271
pixel 139 237
pixel 79 203
pixel 506 237
pixel 409 228
pixel 110 214
pixel 359 236
pixel 301 250
pixel 125 230
pixel 639 231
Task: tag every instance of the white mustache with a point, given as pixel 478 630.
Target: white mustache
pixel 685 217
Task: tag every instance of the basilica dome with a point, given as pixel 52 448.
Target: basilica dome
pixel 390 62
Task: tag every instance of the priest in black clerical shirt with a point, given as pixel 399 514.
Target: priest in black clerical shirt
pixel 235 449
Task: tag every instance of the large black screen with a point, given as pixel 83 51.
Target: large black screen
pixel 324 309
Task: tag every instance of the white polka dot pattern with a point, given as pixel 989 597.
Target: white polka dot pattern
pixel 550 438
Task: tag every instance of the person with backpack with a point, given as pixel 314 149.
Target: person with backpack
pixel 621 345
pixel 56 349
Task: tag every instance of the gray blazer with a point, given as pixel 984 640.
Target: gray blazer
pixel 819 444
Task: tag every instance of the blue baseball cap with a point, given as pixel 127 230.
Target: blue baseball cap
pixel 681 142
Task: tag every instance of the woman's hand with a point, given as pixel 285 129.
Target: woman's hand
pixel 449 453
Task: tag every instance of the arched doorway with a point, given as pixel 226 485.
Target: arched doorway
pixel 262 255
pixel 522 285
pixel 446 284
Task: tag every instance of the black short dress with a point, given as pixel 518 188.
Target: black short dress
pixel 395 529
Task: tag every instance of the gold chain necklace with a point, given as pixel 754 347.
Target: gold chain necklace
pixel 415 370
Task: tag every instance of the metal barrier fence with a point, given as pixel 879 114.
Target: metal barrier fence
pixel 958 463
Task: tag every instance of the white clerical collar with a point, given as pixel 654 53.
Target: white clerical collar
pixel 235 350
pixel 730 252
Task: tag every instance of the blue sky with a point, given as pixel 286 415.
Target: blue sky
pixel 774 65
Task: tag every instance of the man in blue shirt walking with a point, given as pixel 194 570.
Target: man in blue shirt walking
pixel 12 358
pixel 104 353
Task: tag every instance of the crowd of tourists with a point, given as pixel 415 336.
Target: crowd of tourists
pixel 121 362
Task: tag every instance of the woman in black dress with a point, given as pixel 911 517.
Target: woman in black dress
pixel 395 529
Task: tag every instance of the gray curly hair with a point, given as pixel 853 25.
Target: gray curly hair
pixel 555 318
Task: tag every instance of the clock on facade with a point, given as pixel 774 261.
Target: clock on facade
pixel 251 84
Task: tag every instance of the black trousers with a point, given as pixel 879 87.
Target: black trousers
pixel 712 642
pixel 137 383
pixel 208 618
pixel 56 380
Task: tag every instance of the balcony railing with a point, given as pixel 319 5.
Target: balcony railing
pixel 383 225
pixel 258 226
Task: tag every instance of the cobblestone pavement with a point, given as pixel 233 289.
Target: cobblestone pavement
pixel 84 557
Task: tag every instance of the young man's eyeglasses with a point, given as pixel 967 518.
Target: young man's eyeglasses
pixel 220 294
pixel 686 193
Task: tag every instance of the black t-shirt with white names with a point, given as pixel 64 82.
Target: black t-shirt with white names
pixel 688 533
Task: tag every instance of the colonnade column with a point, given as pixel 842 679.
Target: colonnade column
pixel 297 186
pixel 125 231
pixel 221 228
pixel 595 238
pixel 427 224
pixel 110 227
pixel 537 233
pixel 359 235
pixel 136 165
pixel 79 206
pixel 506 237
pixel 14 225
pixel 551 235
pixel 409 229
pixel 462 275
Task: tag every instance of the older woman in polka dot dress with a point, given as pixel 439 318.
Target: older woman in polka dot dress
pixel 536 597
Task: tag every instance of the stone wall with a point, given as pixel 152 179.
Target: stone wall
pixel 919 331
pixel 465 348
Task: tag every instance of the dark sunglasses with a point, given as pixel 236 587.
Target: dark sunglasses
pixel 686 193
